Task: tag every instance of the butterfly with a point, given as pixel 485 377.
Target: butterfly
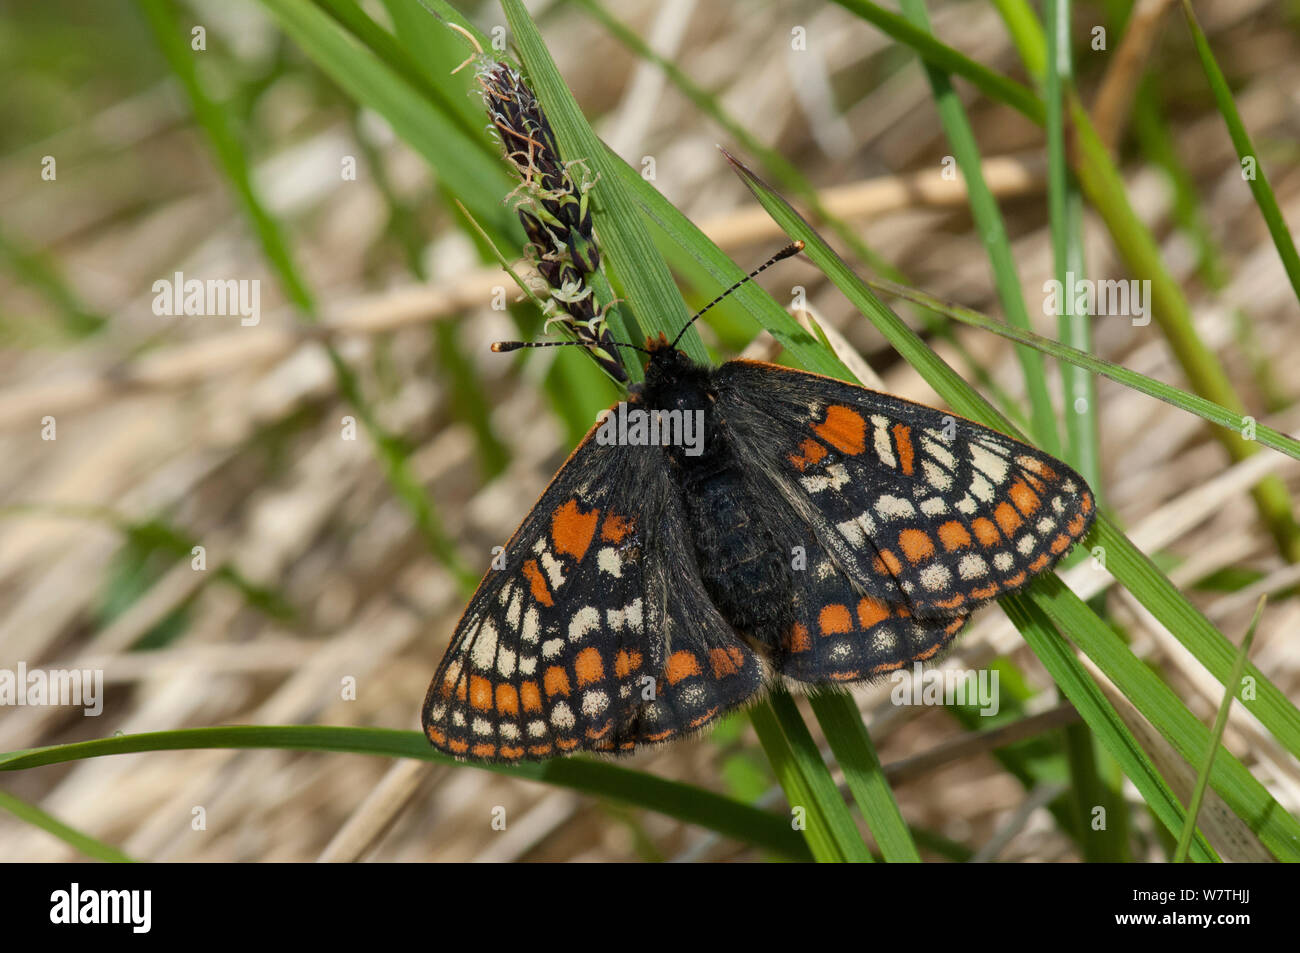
pixel 726 526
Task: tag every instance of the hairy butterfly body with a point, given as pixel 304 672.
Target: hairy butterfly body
pixel 813 529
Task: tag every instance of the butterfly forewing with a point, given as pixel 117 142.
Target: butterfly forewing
pixel 596 634
pixel 939 513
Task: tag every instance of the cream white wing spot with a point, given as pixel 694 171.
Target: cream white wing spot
pixel 972 566
pixel 562 716
pixel 583 621
pixel 484 651
pixel 935 577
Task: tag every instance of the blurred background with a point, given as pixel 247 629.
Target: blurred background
pixel 128 437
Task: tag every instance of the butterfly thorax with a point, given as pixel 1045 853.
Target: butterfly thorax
pixel 744 570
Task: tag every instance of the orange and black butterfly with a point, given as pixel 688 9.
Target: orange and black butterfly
pixel 810 529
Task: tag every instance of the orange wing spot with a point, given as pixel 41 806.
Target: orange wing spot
pixel 889 666
pixel 953 627
pixel 952 603
pixel 1007 518
pixel 703 719
pixel 927 653
pixel 844 429
pixel 572 530
pixel 1085 503
pixel 726 661
pixel 660 735
pixel 887 564
pixel 480 692
pixel 797 639
pixel 626 662
pixel 531 696
pixel 457 746
pixel 482 750
pixel 615 529
pixel 626 745
pixel 810 452
pixel 1034 465
pixel 567 744
pixel 436 736
pixel 1038 564
pixel 987 592
pixel 507 700
pixel 539 751
pixel 588 666
pixel 595 734
pixel 1014 581
pixel 986 532
pixel 514 754
pixel 1075 526
pixel 835 620
pixel 681 665
pixel 903 439
pixel 1061 543
pixel 915 544
pixel 454 686
pixel 537 583
pixel 871 612
pixel 1026 500
pixel 845 676
pixel 556 681
pixel 953 536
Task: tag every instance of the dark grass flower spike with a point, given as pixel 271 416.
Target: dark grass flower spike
pixel 553 209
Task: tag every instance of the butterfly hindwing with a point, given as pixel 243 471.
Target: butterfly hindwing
pixel 842 632
pixel 597 634
pixel 939 514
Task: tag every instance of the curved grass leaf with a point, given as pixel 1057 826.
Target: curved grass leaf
pixel 1205 409
pixel 1259 186
pixel 992 84
pixel 90 846
pixel 1248 798
pixel 685 802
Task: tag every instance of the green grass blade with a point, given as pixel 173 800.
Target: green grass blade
pixel 1259 186
pixel 993 233
pixel 95 849
pixel 230 155
pixel 1275 827
pixel 851 743
pixel 1205 409
pixel 1074 682
pixel 1026 34
pixel 776 164
pixel 627 250
pixel 226 147
pixel 364 74
pixel 789 770
pixel 1102 184
pixel 684 802
pixel 1065 216
pixel 825 794
pixel 992 84
pixel 1216 736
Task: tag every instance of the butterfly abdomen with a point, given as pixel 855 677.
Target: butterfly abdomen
pixel 740 564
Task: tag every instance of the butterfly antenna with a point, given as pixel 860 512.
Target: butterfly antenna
pixel 500 347
pixel 786 252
